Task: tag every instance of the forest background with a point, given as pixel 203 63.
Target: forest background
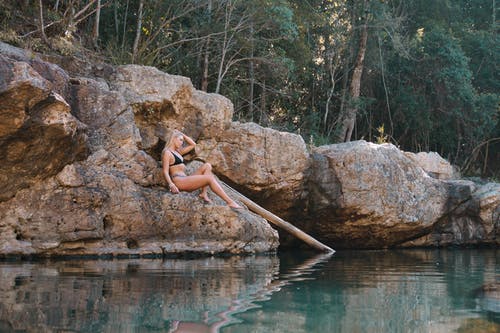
pixel 421 74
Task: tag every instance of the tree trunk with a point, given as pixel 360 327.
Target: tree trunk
pixel 95 32
pixel 251 75
pixel 348 119
pixel 137 33
pixel 330 92
pixel 263 117
pixel 204 76
pixel 251 88
pixel 42 28
pixel 124 25
pixel 224 49
pixel 391 131
pixel 115 12
pixel 278 221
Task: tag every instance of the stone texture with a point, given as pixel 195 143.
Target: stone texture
pixel 80 172
pixel 365 195
pixel 76 181
pixel 434 165
pixel 111 215
pixel 162 102
pixel 38 134
pixel 270 166
pixel 474 221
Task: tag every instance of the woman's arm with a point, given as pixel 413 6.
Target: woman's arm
pixel 190 144
pixel 165 159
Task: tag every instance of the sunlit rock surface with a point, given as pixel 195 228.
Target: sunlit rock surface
pixel 434 165
pixel 38 134
pixel 80 147
pixel 364 195
pixel 82 176
pixel 370 196
pixel 269 165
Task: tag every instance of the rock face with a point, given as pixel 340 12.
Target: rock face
pixel 475 220
pixel 38 134
pixel 80 172
pixel 364 195
pixel 370 196
pixel 434 165
pixel 270 166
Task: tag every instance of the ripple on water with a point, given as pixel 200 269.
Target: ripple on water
pixel 364 291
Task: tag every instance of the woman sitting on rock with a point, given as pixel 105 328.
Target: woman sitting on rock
pixel 174 170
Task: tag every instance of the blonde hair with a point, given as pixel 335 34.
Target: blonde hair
pixel 175 133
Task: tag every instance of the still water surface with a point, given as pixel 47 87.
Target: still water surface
pixel 364 291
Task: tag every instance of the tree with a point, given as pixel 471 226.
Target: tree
pixel 348 118
pixel 137 32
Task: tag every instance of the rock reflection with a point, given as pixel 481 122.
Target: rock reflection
pixel 126 295
pixel 384 291
pixel 239 305
pixel 368 291
pixel 198 295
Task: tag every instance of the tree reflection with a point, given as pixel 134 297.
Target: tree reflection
pixel 198 295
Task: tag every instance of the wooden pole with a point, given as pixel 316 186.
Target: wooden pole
pixel 276 220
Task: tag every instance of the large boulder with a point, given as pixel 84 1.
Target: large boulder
pixel 162 102
pixel 268 165
pixel 83 178
pixel 38 133
pixel 92 208
pixel 364 195
pixel 474 221
pixel 434 165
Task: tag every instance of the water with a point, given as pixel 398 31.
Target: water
pixel 365 291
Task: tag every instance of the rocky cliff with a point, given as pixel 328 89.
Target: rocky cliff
pixel 80 167
pixel 80 146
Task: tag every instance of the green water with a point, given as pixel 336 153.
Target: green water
pixel 365 291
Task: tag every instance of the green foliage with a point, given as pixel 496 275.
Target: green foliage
pixel 430 79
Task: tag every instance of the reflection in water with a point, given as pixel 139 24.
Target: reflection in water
pixel 124 295
pixel 386 291
pixel 246 303
pixel 371 291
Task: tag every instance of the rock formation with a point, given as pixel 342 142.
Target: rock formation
pixel 267 165
pixel 81 174
pixel 80 147
pixel 364 195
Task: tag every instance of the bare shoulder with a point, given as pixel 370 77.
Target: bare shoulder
pixel 165 156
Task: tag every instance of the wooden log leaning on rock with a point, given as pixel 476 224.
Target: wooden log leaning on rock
pixel 276 220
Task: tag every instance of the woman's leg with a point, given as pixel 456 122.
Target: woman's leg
pixel 205 169
pixel 195 182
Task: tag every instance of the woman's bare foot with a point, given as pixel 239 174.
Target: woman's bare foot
pixel 205 198
pixel 234 205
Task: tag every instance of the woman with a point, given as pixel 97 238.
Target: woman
pixel 174 170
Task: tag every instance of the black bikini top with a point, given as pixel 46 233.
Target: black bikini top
pixel 177 159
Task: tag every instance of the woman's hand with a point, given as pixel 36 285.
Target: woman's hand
pixel 189 144
pixel 173 188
